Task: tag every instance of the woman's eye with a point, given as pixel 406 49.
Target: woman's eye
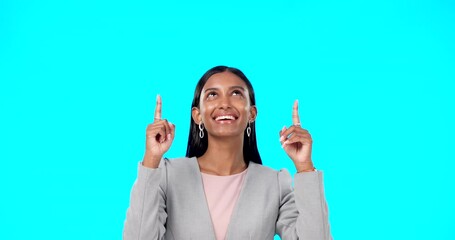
pixel 237 92
pixel 211 94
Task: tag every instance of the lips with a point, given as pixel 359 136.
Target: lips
pixel 225 117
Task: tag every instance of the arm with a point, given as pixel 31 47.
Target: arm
pixel 303 211
pixel 146 215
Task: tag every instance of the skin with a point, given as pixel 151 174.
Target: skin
pixel 297 142
pixel 226 94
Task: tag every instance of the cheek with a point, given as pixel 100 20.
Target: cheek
pixel 206 108
pixel 242 105
pixel 244 109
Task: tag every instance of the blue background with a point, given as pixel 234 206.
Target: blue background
pixel 375 81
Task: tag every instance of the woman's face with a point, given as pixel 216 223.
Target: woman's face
pixel 224 106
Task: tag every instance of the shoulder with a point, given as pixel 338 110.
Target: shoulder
pixel 263 173
pixel 259 168
pixel 178 162
pixel 180 166
pixel 269 173
pixel 267 170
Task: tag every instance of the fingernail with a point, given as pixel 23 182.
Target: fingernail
pixel 169 136
pixel 284 128
pixel 281 138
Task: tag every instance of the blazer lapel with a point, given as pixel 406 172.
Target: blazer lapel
pixel 237 214
pixel 202 205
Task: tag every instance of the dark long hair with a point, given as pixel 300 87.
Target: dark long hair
pixel 197 146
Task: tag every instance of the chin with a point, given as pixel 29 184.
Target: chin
pixel 227 134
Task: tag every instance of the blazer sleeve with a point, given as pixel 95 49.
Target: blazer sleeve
pixel 146 215
pixel 303 212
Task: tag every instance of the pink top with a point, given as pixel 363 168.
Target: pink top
pixel 222 193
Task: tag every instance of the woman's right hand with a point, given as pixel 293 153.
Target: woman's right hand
pixel 159 137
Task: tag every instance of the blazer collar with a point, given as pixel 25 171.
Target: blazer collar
pixel 236 215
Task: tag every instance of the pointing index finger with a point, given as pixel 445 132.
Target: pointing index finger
pixel 295 113
pixel 158 108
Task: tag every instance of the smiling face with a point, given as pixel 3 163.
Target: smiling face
pixel 224 106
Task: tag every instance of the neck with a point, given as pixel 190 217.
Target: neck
pixel 223 156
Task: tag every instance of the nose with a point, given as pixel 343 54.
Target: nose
pixel 225 102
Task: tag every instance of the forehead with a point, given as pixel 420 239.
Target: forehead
pixel 224 80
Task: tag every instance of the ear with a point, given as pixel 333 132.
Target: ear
pixel 196 115
pixel 253 113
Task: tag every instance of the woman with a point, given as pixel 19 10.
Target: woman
pixel 220 190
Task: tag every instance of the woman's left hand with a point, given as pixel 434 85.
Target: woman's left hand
pixel 297 143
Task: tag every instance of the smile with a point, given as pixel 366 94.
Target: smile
pixel 225 118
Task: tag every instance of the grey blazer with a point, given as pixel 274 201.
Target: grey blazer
pixel 169 203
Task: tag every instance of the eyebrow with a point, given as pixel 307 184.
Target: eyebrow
pixel 230 88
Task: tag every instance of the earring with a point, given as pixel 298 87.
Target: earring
pixel 248 129
pixel 201 130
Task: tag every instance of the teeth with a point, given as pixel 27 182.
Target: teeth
pixel 227 117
